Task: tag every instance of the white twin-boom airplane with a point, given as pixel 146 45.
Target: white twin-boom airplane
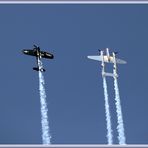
pixel 106 58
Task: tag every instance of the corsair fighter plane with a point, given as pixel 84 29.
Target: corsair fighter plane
pixel 38 54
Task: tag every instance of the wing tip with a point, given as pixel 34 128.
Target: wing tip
pixel 124 62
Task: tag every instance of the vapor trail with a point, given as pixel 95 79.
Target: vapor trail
pixel 120 126
pixel 107 112
pixel 44 118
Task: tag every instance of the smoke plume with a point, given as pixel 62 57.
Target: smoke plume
pixel 107 112
pixel 44 117
pixel 120 126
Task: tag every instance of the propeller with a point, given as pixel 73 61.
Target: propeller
pixel 115 52
pixel 99 51
pixel 36 47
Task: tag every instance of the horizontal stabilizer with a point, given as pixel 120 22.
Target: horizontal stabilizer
pixel 37 69
pixel 109 74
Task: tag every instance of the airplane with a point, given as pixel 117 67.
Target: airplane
pixel 106 58
pixel 38 54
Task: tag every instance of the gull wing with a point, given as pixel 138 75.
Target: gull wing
pixel 97 58
pixel 29 52
pixel 46 55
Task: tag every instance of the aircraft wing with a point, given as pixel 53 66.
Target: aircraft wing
pixel 119 61
pixel 97 58
pixel 29 52
pixel 46 55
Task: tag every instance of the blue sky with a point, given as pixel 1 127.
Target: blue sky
pixel 73 82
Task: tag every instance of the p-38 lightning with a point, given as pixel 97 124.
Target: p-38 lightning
pixel 106 58
pixel 38 54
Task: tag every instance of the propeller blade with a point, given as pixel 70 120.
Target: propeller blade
pixel 35 46
pixel 115 52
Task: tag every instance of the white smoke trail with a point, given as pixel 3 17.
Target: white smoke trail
pixel 44 118
pixel 120 126
pixel 107 112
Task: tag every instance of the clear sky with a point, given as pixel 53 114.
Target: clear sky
pixel 73 82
